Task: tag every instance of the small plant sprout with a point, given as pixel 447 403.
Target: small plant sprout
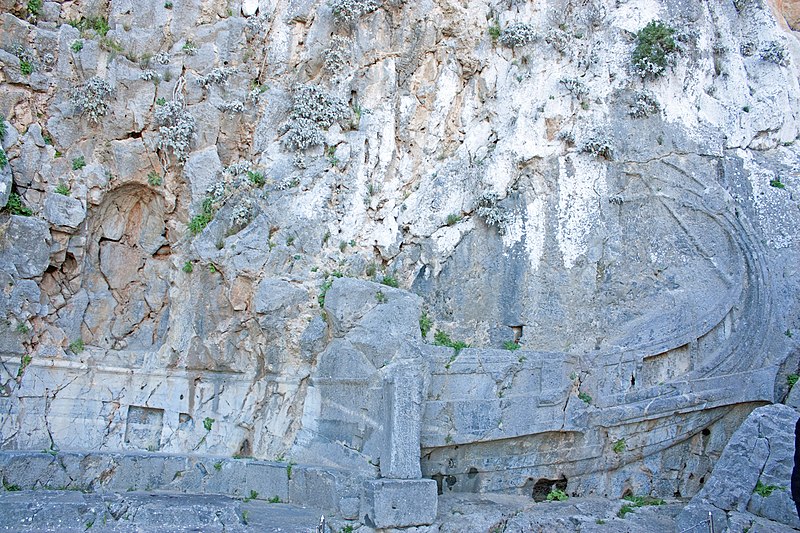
pixel 76 346
pixel 77 45
pixel 187 267
pixel 557 495
pixel 619 446
pixel 154 179
pixel 78 163
pixel 390 281
pixel 453 219
pixel 791 380
pixel 208 422
pixel 765 490
pixel 16 207
pixel 62 188
pixel 777 183
pixel 443 339
pixel 511 345
pixel 585 397
pixel 637 501
pixel 425 324
pixel 494 30
pixel 382 299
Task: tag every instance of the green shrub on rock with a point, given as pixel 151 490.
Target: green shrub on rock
pixel 655 49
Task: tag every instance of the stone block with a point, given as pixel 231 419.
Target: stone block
pixel 274 295
pixel 25 244
pixel 403 412
pixel 63 211
pixel 308 485
pixel 398 503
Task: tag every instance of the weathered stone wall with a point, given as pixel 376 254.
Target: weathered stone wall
pixel 637 235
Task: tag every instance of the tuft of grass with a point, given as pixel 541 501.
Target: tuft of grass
pixel 390 281
pixel 199 222
pixel 252 496
pixel 619 446
pixel 76 346
pixel 425 324
pixel 557 495
pixel 208 422
pixel 10 487
pixel 16 207
pixel 218 466
pixel 23 364
pixel 34 7
pixel 274 499
pixel 3 158
pixel 765 490
pixel 585 397
pixel 453 219
pixel 777 183
pixel 791 380
pixel 256 178
pixel 23 328
pixel 77 45
pixel 511 345
pixel 62 188
pixel 78 163
pixel 494 30
pixel 637 501
pixel 25 67
pixel 161 101
pixel 443 339
pixel 187 267
pixel 98 25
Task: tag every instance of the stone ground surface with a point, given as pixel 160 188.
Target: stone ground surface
pixel 69 511
pixel 72 511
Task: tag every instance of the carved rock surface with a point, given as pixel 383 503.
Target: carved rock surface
pixel 273 204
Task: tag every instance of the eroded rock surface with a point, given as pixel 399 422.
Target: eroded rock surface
pixel 230 228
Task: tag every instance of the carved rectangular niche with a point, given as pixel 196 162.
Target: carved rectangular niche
pixel 143 427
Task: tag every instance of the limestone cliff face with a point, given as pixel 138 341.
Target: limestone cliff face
pixel 198 173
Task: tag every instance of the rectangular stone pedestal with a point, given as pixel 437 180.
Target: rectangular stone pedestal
pixel 389 503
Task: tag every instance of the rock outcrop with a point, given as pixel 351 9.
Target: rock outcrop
pixel 569 228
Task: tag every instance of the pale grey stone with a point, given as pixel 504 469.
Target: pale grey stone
pixel 70 317
pixel 120 264
pixel 6 182
pixel 760 451
pixel 24 246
pixel 63 211
pixel 273 295
pixel 398 503
pixel 201 172
pixel 312 342
pixel 403 393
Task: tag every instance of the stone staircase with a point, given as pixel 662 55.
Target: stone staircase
pixel 144 492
